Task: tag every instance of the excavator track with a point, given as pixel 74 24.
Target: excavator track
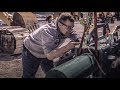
pixel 11 39
pixel 19 27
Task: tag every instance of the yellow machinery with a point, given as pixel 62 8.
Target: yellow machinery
pixel 6 17
pixel 19 25
pixel 26 20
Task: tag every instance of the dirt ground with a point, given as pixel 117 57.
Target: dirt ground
pixel 12 68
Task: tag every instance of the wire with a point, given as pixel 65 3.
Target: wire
pixel 96 61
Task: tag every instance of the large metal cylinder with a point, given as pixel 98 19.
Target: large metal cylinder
pixel 81 66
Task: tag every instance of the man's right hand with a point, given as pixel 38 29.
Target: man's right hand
pixel 61 50
pixel 72 44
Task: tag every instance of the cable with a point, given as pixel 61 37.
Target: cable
pixel 96 61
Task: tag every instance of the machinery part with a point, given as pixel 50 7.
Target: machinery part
pixel 26 20
pixel 84 65
pixel 7 18
pixel 81 66
pixel 66 57
pixel 11 39
pixel 108 54
pixel 56 14
pixel 107 38
pixel 20 25
pixel 80 48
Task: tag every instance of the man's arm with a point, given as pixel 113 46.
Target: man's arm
pixel 51 49
pixel 59 51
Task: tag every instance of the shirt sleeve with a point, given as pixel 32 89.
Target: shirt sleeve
pixel 49 42
pixel 77 32
pixel 75 36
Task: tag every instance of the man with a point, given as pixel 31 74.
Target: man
pixel 41 46
pixel 49 19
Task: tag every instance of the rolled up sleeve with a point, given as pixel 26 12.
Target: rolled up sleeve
pixel 74 36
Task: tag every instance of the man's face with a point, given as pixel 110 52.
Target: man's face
pixel 66 27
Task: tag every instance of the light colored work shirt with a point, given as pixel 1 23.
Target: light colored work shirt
pixel 45 39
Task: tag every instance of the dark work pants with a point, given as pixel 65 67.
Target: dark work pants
pixel 31 64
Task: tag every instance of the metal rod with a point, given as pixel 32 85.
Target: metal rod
pixel 80 48
pixel 96 35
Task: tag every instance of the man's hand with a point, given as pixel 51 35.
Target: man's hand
pixel 59 51
pixel 72 44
